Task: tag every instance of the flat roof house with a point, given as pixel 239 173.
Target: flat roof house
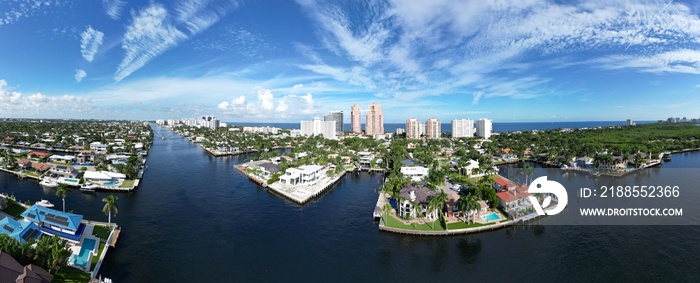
pixel 64 171
pixel 416 173
pixel 54 220
pixel 103 176
pixel 21 231
pixel 306 174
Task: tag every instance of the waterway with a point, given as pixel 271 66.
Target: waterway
pixel 195 219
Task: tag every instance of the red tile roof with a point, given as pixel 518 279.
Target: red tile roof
pixel 509 197
pixel 501 181
pixel 38 153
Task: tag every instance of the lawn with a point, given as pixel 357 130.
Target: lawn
pixel 13 208
pixel 32 174
pixel 70 274
pixel 96 258
pixel 395 223
pixel 127 184
pixel 462 225
pixel 101 232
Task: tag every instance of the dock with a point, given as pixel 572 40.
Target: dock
pixel 113 240
pixel 381 201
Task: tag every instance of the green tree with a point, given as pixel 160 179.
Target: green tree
pixel 110 205
pixel 62 191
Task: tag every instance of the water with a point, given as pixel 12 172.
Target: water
pixel 498 127
pixel 87 247
pixel 195 219
pixel 491 217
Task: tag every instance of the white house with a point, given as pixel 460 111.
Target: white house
pixel 469 169
pixel 416 173
pixel 365 159
pixel 306 174
pixel 98 146
pixel 414 203
pixel 103 176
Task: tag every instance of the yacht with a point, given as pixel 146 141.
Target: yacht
pixel 48 182
pixel 44 203
pixel 87 187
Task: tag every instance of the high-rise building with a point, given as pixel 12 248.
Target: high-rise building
pixel 484 128
pixel 630 122
pixel 413 128
pixel 317 127
pixel 432 128
pixel 355 123
pixel 400 131
pixel 375 120
pixel 462 128
pixel 336 116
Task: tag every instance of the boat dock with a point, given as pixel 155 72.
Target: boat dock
pixel 381 201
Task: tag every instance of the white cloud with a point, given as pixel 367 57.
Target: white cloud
pixel 13 11
pixel 90 41
pixel 288 106
pixel 266 98
pixel 79 75
pixel 113 8
pixel 399 47
pixel 8 97
pixel 298 86
pixel 678 61
pixel 153 30
pixel 40 105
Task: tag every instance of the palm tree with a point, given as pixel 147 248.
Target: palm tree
pixel 110 205
pixel 468 203
pixel 62 191
pixel 386 209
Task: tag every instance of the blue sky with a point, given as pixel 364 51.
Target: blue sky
pixel 278 61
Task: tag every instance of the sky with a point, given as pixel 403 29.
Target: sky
pixel 285 61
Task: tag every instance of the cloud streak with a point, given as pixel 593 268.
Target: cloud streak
pixel 90 41
pixel 113 8
pixel 413 49
pixel 154 30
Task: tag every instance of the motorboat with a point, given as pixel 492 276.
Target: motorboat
pixel 44 203
pixel 48 182
pixel 87 187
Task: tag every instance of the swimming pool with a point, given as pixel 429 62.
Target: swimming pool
pixel 110 183
pixel 85 249
pixel 490 217
pixel 69 180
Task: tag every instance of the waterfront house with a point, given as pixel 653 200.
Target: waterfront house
pixel 24 163
pixel 306 174
pixel 103 176
pixel 365 159
pixel 64 171
pixel 38 154
pixel 500 184
pixel 40 167
pixel 584 162
pixel 22 231
pixel 53 220
pixel 414 200
pixel 514 201
pixel 13 271
pixel 268 169
pixel 416 173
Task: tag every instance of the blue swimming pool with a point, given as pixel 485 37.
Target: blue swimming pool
pixel 490 217
pixel 110 183
pixel 85 249
pixel 70 180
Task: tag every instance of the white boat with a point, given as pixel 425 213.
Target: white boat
pixel 50 183
pixel 44 203
pixel 88 187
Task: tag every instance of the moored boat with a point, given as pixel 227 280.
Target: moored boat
pixel 44 203
pixel 49 183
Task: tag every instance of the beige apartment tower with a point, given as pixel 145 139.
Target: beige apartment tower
pixel 355 123
pixel 375 120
